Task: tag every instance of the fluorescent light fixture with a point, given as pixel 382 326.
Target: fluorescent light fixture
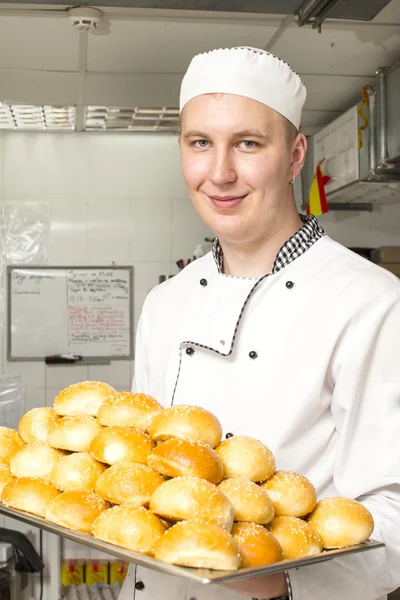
pixel 19 117
pixel 37 118
pixel 113 118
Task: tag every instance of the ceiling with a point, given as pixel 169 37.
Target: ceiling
pixel 340 9
pixel 139 55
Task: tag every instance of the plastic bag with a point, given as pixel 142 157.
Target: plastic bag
pixel 11 401
pixel 26 227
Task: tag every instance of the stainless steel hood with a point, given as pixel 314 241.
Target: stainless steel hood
pixel 361 155
pixel 308 11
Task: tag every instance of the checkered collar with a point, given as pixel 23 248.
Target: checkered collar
pixel 294 247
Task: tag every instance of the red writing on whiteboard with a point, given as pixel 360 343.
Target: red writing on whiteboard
pixel 90 322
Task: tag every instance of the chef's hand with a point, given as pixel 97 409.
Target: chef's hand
pixel 265 587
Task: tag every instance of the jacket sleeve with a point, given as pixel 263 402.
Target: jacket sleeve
pixel 140 379
pixel 366 411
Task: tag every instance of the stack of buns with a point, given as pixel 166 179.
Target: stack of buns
pixel 120 467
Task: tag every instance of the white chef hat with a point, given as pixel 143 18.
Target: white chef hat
pixel 248 72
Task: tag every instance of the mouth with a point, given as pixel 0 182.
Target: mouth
pixel 226 202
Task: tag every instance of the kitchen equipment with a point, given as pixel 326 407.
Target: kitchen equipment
pixel 162 278
pixel 7 571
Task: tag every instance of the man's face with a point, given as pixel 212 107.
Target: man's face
pixel 237 162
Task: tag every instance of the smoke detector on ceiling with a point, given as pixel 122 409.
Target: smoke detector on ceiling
pixel 85 18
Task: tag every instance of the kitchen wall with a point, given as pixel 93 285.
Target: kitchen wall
pixel 121 198
pixel 110 198
pixel 366 229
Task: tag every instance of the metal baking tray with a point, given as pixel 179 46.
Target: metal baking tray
pixel 205 576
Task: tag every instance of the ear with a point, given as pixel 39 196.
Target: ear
pixel 179 140
pixel 299 150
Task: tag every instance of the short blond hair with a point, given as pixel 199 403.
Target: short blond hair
pixel 290 131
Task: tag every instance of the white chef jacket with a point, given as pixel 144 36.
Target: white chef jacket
pixel 307 360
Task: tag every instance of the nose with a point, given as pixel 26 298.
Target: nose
pixel 222 168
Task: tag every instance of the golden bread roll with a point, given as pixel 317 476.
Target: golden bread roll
pixel 200 545
pixel 74 433
pixel 295 537
pixel 244 456
pixel 35 460
pixel 36 424
pixel 175 458
pixel 257 546
pixel 187 423
pixel 117 444
pixel 167 524
pixel 250 502
pixel 136 529
pixel 5 477
pixel 83 398
pixel 9 443
pixel 30 495
pixel 76 510
pixel 128 483
pixel 293 495
pixel 77 471
pixel 341 522
pixel 128 409
pixel 184 498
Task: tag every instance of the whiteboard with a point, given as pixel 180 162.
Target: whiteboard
pixel 86 311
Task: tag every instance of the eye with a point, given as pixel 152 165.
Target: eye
pixel 249 144
pixel 200 143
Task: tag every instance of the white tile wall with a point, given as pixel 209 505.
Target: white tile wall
pixel 24 167
pixel 68 232
pixel 51 393
pixel 178 188
pixel 151 231
pixel 385 224
pixel 34 398
pixel 364 229
pixel 117 374
pixel 59 377
pixel 122 198
pixel 73 550
pixel 66 170
pixel 33 374
pixel 1 164
pixel 108 232
pixel 146 277
pixel 109 176
pixel 111 198
pixel 186 226
pixel 151 171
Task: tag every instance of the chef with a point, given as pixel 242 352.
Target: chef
pixel 281 332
